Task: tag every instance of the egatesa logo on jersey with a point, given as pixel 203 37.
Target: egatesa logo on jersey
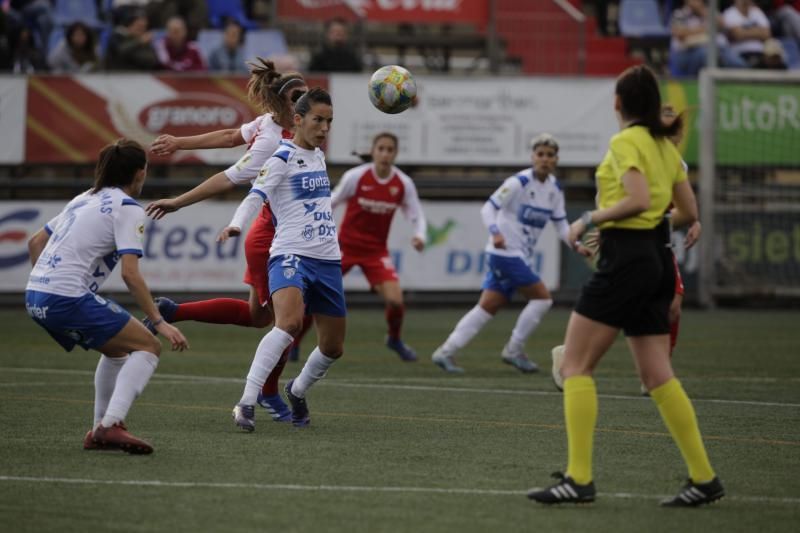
pixel 13 240
pixel 194 113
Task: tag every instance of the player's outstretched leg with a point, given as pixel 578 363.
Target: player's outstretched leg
pixel 215 311
pixel 466 329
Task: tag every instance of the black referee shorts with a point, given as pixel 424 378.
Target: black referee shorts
pixel 634 283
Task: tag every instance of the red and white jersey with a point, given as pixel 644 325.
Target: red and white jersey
pixel 371 203
pixel 262 136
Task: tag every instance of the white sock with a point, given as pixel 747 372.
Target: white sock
pixel 131 381
pixel 105 377
pixel 528 319
pixel 469 326
pixel 314 370
pixel 267 355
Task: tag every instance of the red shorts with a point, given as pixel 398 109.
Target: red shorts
pixel 678 279
pixel 256 251
pixel 377 268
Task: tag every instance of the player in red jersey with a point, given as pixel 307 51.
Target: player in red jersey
pixel 274 94
pixel 372 192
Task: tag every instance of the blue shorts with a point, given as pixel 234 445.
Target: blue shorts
pixel 506 274
pixel 319 280
pixel 89 320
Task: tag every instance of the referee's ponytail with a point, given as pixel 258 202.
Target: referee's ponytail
pixel 640 101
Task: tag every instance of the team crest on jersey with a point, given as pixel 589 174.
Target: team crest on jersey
pixel 289 273
pixel 308 232
pixel 262 175
pixel 310 207
pixel 394 190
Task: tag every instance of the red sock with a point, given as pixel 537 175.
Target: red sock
pixel 216 311
pixel 307 321
pixel 394 318
pixel 673 335
pixel 270 387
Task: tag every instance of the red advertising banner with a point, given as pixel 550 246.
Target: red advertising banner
pixel 417 11
pixel 69 119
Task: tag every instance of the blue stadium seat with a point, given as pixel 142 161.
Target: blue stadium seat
pixel 264 43
pixel 792 53
pixel 56 36
pixel 66 12
pixel 219 10
pixel 207 41
pixel 641 18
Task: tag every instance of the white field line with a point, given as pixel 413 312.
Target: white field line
pixel 392 386
pixel 351 488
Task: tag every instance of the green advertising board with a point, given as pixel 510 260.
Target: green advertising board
pixel 757 123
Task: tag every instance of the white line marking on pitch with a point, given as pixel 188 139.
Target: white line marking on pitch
pixel 428 388
pixel 350 488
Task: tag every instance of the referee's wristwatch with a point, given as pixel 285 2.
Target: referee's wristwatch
pixel 586 218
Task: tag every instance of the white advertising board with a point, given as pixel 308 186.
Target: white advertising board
pixel 478 121
pixel 13 101
pixel 181 254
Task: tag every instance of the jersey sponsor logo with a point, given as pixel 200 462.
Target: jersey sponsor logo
pixel 367 188
pixel 262 176
pixel 52 260
pixel 310 207
pixel 325 215
pixel 193 114
pixel 308 232
pixel 377 207
pixel 533 216
pixel 36 311
pixel 308 185
pixel 19 237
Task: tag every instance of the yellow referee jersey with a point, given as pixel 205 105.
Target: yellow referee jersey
pixel 656 158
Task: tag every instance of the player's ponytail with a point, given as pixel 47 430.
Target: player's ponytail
pixel 640 101
pixel 267 89
pixel 118 164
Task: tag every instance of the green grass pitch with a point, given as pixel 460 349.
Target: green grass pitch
pixel 400 446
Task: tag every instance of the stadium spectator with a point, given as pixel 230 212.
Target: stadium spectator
pixel 95 230
pixel 77 52
pixel 515 216
pixel 175 51
pixel 305 269
pixel 37 15
pixel 688 49
pixel 373 192
pixel 337 53
pixel 26 57
pixel 274 94
pixel 130 46
pixel 747 27
pixel 785 18
pixel 631 291
pixel 229 56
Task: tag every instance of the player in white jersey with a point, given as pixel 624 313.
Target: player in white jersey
pixel 72 256
pixel 305 270
pixel 274 94
pixel 515 216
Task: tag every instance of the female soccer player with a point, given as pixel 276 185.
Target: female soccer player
pixel 373 191
pixel 631 290
pixel 274 94
pixel 515 215
pixel 72 256
pixel 305 270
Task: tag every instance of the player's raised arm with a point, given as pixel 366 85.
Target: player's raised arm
pixel 213 186
pixel 169 144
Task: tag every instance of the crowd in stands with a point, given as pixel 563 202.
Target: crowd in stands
pixel 75 36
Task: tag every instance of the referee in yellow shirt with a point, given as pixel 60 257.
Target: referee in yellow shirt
pixel 631 291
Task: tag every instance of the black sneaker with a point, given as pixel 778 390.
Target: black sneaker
pixel 693 494
pixel 300 415
pixel 565 491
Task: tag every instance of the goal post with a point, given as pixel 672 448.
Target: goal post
pixel 749 189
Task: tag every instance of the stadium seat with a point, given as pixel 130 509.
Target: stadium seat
pixel 66 12
pixel 208 40
pixel 641 18
pixel 220 10
pixel 792 53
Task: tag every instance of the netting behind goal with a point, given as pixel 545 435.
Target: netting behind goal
pixel 749 184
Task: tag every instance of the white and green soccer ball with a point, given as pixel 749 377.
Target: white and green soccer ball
pixel 392 89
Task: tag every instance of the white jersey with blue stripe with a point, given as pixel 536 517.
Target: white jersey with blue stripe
pixel 296 183
pixel 86 241
pixel 524 205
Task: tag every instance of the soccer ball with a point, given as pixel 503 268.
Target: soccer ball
pixel 392 89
